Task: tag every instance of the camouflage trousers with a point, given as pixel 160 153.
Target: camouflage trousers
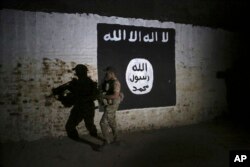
pixel 108 121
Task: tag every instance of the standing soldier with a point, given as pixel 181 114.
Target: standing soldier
pixel 83 92
pixel 111 88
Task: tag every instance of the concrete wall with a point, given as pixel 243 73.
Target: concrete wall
pixel 38 51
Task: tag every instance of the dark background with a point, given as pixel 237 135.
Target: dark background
pixel 226 14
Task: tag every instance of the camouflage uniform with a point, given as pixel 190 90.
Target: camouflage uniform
pixel 109 117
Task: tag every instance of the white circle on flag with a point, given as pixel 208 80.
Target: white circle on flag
pixel 139 76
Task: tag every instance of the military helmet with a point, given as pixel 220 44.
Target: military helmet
pixel 110 68
pixel 80 68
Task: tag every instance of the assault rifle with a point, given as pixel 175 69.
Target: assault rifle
pixel 64 95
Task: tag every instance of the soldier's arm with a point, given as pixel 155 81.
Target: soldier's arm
pixel 60 89
pixel 95 91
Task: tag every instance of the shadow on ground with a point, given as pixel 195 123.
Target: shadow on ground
pixel 205 144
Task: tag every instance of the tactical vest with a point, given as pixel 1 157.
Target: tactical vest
pixel 108 87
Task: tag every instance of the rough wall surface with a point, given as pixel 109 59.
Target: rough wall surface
pixel 38 51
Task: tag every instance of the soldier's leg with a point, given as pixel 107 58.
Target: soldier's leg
pixel 89 123
pixel 112 120
pixel 105 126
pixel 74 119
pixel 112 123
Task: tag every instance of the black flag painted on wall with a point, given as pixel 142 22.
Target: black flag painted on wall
pixel 144 59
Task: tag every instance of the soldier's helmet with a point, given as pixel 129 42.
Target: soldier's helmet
pixel 110 69
pixel 80 69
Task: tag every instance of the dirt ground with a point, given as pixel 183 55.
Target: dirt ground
pixel 201 145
